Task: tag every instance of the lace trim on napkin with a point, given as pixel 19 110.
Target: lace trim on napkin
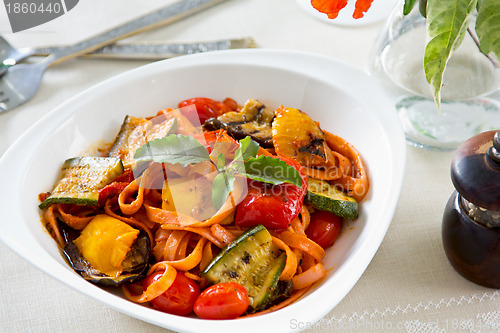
pixel 380 320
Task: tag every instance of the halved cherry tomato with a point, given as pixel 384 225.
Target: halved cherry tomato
pixel 206 108
pixel 222 301
pixel 324 228
pixel 179 298
pixel 273 206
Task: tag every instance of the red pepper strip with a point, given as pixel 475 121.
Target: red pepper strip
pixel 329 7
pixel 361 7
pixel 110 190
pixel 126 177
pixel 116 187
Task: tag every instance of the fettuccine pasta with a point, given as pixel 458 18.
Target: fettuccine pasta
pixel 165 223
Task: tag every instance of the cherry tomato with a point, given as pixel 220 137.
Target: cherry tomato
pixel 324 228
pixel 205 108
pixel 273 206
pixel 231 103
pixel 222 301
pixel 179 298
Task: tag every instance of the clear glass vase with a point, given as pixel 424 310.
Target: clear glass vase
pixel 470 91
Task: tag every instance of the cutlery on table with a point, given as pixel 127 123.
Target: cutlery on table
pixel 10 56
pixel 22 81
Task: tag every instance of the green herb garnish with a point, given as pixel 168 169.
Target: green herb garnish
pixel 185 150
pixel 172 149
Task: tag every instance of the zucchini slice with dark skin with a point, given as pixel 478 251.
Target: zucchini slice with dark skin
pixel 119 148
pixel 253 261
pixel 82 178
pixel 135 132
pixel 323 196
pixel 283 290
pixel 253 120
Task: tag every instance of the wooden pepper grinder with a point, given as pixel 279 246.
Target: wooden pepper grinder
pixel 471 221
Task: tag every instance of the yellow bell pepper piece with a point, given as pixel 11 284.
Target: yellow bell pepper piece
pixel 105 242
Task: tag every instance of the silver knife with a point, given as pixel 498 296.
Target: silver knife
pixel 151 50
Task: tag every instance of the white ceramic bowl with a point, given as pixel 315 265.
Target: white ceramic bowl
pixel 343 99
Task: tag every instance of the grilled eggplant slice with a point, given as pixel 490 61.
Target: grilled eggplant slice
pixel 102 243
pixel 81 180
pixel 253 120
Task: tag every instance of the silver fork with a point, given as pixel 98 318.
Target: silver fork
pixel 8 55
pixel 22 81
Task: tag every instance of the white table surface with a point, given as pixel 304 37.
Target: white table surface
pixel 409 285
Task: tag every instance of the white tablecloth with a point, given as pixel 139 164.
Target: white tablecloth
pixel 408 287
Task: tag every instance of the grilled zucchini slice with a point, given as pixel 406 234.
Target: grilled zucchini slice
pixel 323 196
pixel 135 132
pixel 253 261
pixel 82 178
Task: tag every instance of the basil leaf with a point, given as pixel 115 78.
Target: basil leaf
pixel 221 187
pixel 271 170
pixel 447 22
pixel 248 149
pixel 173 149
pixel 488 27
pixel 221 161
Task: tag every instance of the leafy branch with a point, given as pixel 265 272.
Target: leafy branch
pixel 447 23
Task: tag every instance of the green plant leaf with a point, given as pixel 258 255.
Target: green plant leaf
pixel 422 7
pixel 488 27
pixel 173 149
pixel 447 22
pixel 223 185
pixel 271 170
pixel 408 6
